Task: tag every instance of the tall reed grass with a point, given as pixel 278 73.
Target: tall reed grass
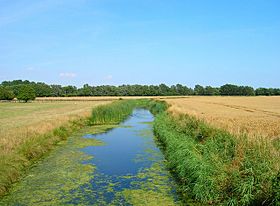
pixel 113 113
pixel 215 167
pixel 118 111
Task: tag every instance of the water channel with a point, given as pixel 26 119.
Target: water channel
pixel 122 166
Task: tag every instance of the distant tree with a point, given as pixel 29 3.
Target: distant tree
pixel 262 92
pixel 42 89
pixel 70 90
pixel 6 93
pixel 229 90
pixel 199 90
pixel 267 91
pixel 164 90
pixel 153 90
pixel 57 91
pixel 183 90
pixel 86 90
pixel 247 91
pixel 211 91
pixel 276 91
pixel 173 90
pixel 26 93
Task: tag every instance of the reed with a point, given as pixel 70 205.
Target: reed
pixel 113 113
pixel 215 167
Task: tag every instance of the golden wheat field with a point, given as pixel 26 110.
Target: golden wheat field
pixel 252 115
pixel 21 121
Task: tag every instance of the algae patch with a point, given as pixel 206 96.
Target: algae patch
pixel 53 180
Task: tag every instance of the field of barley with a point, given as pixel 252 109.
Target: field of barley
pixel 256 116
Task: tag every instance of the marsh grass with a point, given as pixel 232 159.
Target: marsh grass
pixel 216 167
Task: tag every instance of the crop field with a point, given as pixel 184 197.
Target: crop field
pixel 18 121
pixel 256 116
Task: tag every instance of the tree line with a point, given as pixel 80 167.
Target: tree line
pixel 27 90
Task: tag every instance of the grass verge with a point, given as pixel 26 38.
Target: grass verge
pixel 214 167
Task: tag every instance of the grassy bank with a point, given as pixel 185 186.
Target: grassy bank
pixel 29 131
pixel 13 165
pixel 214 167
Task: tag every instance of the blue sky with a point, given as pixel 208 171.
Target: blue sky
pixel 141 42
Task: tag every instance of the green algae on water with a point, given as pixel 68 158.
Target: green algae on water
pixel 52 180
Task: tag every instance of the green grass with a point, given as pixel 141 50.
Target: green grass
pixel 120 110
pixel 214 167
pixel 113 113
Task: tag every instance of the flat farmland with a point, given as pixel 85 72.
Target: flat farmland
pixel 256 116
pixel 22 121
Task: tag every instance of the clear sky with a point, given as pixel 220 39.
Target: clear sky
pixel 207 42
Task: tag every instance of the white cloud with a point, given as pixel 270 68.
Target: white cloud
pixel 68 75
pixel 30 68
pixel 108 77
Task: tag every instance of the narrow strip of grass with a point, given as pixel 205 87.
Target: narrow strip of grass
pixel 214 167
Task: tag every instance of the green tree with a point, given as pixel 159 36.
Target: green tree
pixel 164 90
pixel 26 93
pixel 230 90
pixel 211 91
pixel 70 90
pixel 199 90
pixel 42 89
pixel 247 91
pixel 57 91
pixel 6 93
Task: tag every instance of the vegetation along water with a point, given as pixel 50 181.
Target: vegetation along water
pixel 111 164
